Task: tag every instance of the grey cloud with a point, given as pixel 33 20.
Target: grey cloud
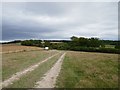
pixel 59 20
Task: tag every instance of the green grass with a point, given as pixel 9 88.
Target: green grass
pixel 14 62
pixel 109 46
pixel 29 80
pixel 88 70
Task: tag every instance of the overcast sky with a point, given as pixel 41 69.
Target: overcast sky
pixel 60 20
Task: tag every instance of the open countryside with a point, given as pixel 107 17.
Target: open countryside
pixel 35 67
pixel 59 45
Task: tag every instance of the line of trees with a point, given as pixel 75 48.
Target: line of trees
pixel 77 44
pixel 32 43
pixel 85 44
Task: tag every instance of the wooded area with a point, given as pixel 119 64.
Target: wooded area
pixel 76 44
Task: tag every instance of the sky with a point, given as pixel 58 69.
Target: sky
pixel 59 20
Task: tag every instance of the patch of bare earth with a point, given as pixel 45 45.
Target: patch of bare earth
pixel 49 80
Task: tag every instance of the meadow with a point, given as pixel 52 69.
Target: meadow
pixel 89 70
pixel 14 62
pixel 78 70
pixel 29 80
pixel 12 48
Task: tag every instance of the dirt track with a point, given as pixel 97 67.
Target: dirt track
pixel 21 73
pixel 50 77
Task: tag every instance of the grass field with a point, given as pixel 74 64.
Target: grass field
pixel 109 46
pixel 79 69
pixel 14 62
pixel 8 48
pixel 29 80
pixel 89 70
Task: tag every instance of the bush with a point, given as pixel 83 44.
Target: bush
pixel 91 49
pixel 31 43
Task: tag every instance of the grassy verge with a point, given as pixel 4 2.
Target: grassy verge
pixel 88 70
pixel 14 62
pixel 29 80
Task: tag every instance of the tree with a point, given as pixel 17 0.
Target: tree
pixel 94 42
pixel 83 41
pixel 31 43
pixel 47 44
pixel 117 46
pixel 73 38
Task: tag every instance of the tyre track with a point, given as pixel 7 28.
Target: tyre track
pixel 17 75
pixel 49 80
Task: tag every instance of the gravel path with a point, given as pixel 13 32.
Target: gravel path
pixel 49 80
pixel 21 73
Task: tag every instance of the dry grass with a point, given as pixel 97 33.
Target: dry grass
pixel 29 80
pixel 0 47
pixel 89 70
pixel 14 62
pixel 10 48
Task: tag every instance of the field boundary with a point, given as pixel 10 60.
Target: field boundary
pixel 17 75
